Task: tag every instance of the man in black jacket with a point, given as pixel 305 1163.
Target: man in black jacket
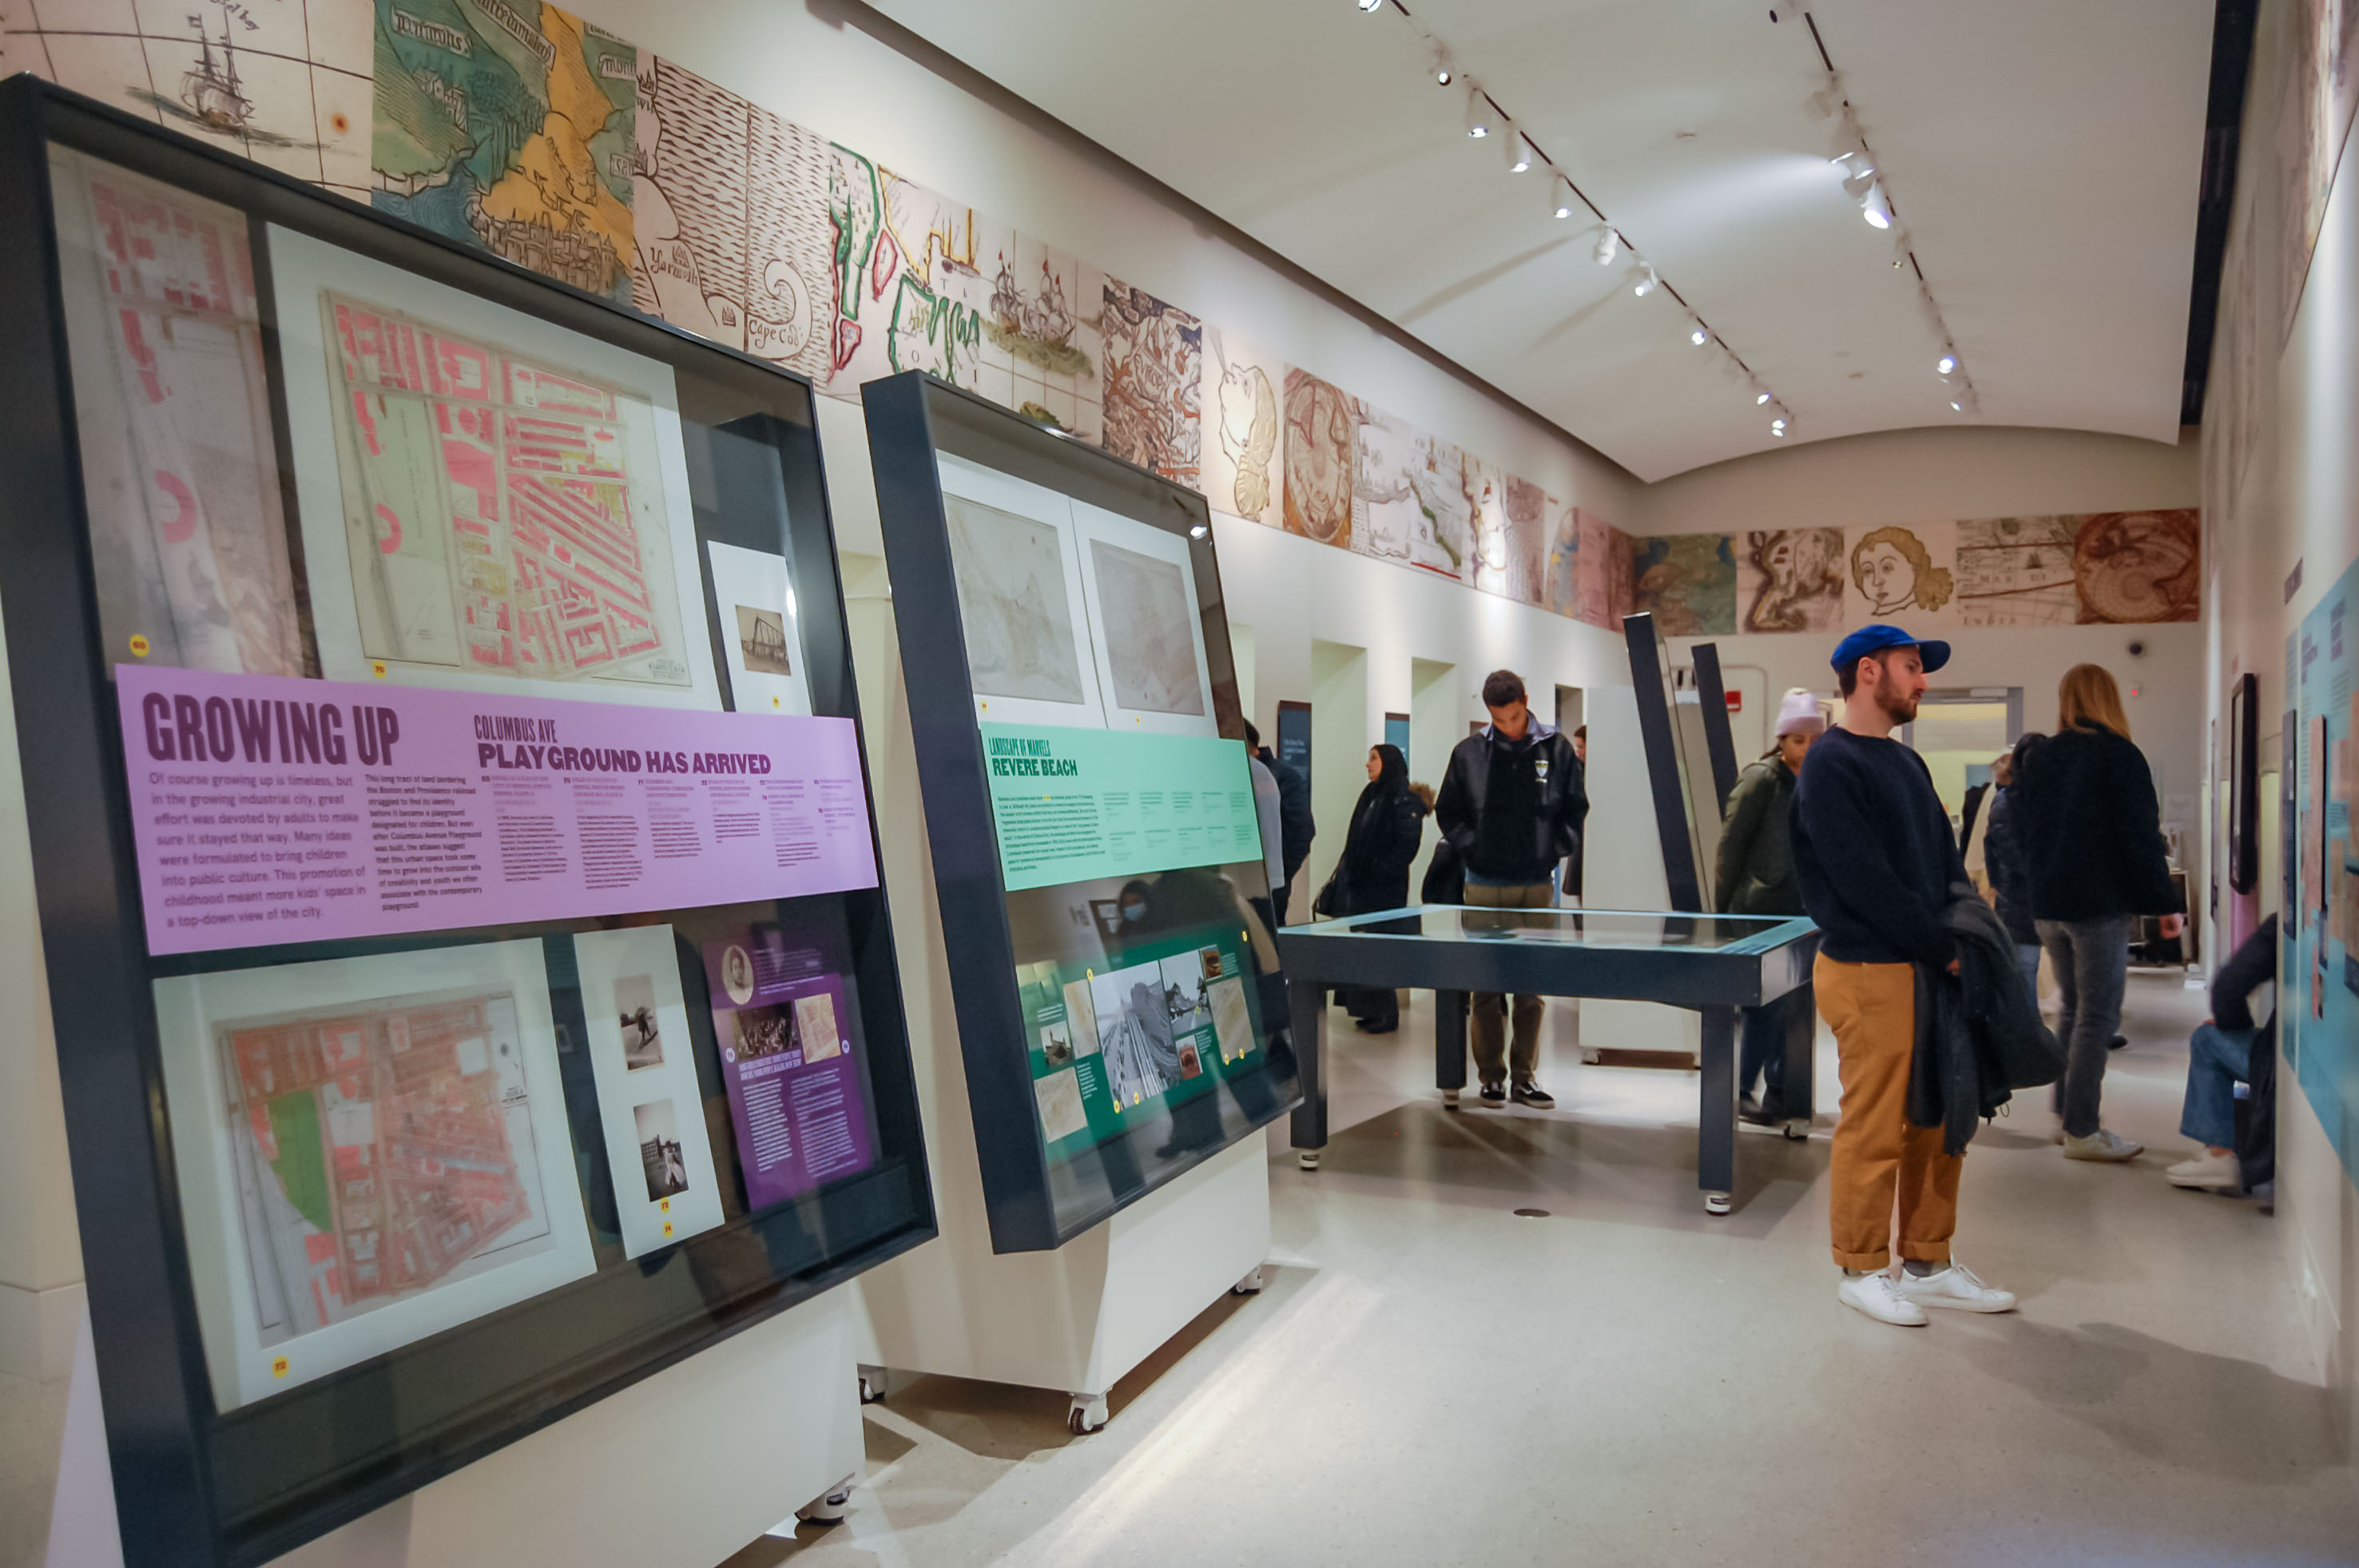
pixel 1878 865
pixel 1295 827
pixel 1511 806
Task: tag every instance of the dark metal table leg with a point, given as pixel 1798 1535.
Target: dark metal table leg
pixel 1450 1045
pixel 1799 1094
pixel 1716 1113
pixel 1307 1007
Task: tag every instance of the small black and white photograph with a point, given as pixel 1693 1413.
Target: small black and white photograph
pixel 761 1031
pixel 1057 1044
pixel 634 1001
pixel 666 1168
pixel 762 638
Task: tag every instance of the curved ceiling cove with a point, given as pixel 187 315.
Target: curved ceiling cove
pixel 2040 161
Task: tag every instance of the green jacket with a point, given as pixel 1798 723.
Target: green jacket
pixel 1757 845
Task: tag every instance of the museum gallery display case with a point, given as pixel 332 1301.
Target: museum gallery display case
pixel 1105 908
pixel 452 846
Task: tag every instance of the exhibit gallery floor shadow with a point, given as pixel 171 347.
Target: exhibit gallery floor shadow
pixel 2217 1415
pixel 1613 1171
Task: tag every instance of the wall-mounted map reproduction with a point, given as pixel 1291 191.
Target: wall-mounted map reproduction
pixel 509 124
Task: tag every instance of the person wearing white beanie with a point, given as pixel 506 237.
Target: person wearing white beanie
pixel 1756 876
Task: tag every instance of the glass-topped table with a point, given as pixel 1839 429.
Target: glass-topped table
pixel 1716 964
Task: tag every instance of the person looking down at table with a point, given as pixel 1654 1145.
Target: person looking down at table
pixel 1511 806
pixel 1877 865
pixel 1756 876
pixel 1387 830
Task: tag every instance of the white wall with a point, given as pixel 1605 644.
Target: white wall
pixel 2294 508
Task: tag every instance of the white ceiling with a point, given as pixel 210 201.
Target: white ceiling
pixel 2044 155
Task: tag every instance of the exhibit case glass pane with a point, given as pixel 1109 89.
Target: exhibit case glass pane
pixel 1634 930
pixel 449 825
pixel 1106 902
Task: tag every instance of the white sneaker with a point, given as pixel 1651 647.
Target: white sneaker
pixel 2103 1145
pixel 2207 1169
pixel 1953 1287
pixel 1873 1294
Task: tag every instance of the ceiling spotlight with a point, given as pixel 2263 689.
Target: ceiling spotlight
pixel 1519 150
pixel 1642 280
pixel 1562 207
pixel 1197 531
pixel 1777 426
pixel 1370 4
pixel 1859 174
pixel 1876 209
pixel 1444 73
pixel 1698 336
pixel 1478 112
pixel 1607 241
pixel 1946 363
pixel 1957 406
pixel 1760 398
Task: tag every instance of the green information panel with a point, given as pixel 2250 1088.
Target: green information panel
pixel 1072 805
pixel 1149 1030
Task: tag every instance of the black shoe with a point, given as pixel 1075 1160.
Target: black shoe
pixel 1759 1113
pixel 1494 1094
pixel 2118 1042
pixel 1529 1093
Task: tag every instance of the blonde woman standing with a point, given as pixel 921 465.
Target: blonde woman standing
pixel 2092 837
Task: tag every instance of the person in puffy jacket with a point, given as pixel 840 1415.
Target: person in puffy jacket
pixel 1511 806
pixel 1756 876
pixel 2092 841
pixel 1387 828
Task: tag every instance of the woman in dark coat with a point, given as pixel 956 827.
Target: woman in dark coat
pixel 1387 828
pixel 2092 842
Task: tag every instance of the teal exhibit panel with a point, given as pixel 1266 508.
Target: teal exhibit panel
pixel 2320 1032
pixel 450 834
pixel 1105 910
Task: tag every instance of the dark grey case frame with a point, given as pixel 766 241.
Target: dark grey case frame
pixel 172 1454
pixel 969 888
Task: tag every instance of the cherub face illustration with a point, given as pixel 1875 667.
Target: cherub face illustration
pixel 1887 577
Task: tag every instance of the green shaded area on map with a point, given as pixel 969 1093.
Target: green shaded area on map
pixel 301 1166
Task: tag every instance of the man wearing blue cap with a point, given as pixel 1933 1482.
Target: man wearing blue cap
pixel 1877 861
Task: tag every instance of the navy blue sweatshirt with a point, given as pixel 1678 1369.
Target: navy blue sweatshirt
pixel 1874 852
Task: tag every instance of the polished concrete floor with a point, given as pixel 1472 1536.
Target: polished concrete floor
pixel 1431 1377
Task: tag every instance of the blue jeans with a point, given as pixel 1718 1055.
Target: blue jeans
pixel 2027 954
pixel 2093 965
pixel 2217 1060
pixel 1762 1050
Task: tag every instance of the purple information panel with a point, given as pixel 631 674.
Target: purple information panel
pixel 795 1100
pixel 269 809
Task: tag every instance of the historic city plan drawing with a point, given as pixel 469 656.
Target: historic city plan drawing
pixel 1012 598
pixel 172 410
pixel 507 125
pixel 1150 636
pixel 493 521
pixel 383 1148
pixel 2016 571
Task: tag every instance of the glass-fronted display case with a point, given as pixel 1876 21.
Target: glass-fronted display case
pixel 453 845
pixel 1096 848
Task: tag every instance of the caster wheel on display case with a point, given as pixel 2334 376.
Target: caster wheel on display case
pixel 1715 1202
pixel 872 1385
pixel 1306 1157
pixel 829 1508
pixel 1248 1286
pixel 1089 1414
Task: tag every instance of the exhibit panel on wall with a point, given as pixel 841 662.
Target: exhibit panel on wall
pixel 451 816
pixel 1105 904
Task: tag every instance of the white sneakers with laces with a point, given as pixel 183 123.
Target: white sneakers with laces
pixel 1955 1286
pixel 2208 1169
pixel 1873 1294
pixel 2104 1146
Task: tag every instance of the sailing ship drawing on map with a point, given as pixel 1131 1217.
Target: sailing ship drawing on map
pixel 213 95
